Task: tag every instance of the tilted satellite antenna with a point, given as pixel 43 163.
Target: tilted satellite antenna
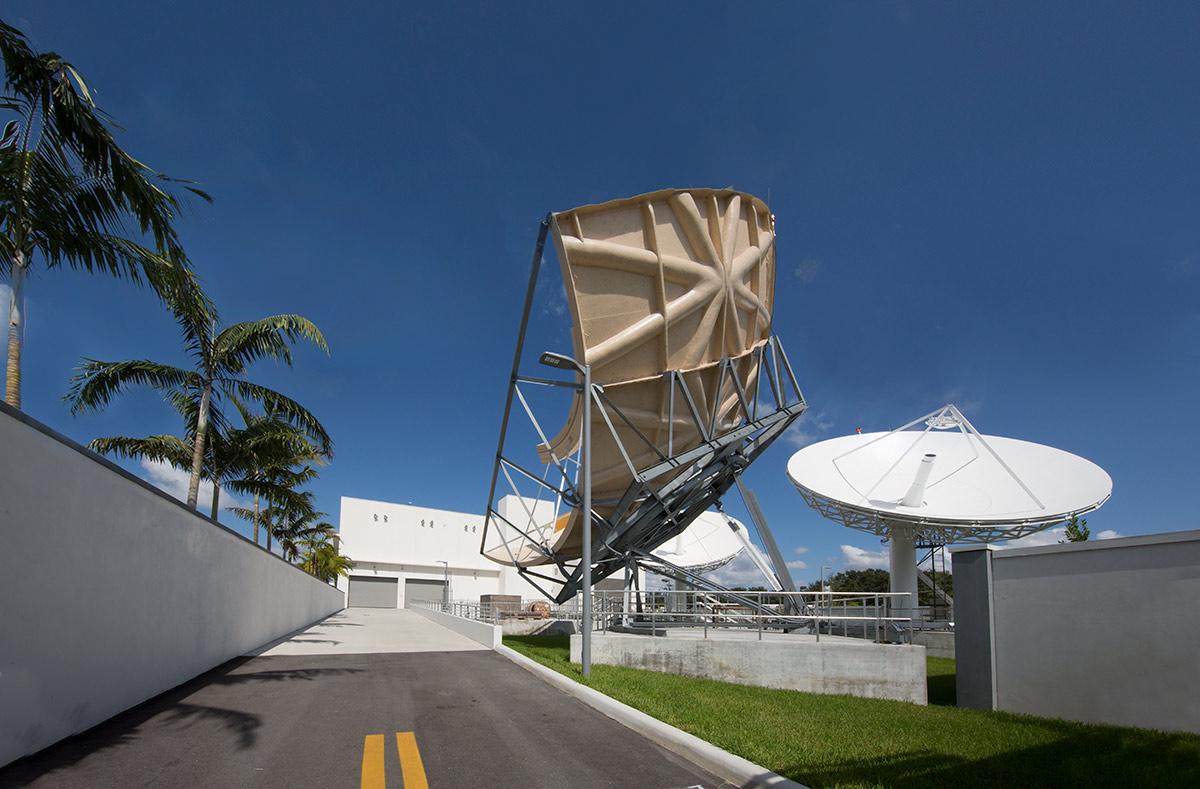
pixel 709 543
pixel 945 484
pixel 670 296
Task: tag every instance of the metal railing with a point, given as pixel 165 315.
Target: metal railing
pixel 876 616
pixel 856 614
pixel 496 613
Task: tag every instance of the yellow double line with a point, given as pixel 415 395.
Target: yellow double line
pixel 411 769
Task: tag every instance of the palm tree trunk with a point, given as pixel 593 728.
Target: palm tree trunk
pixel 256 519
pixel 16 303
pixel 216 500
pixel 198 448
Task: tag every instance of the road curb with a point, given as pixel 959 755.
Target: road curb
pixel 732 768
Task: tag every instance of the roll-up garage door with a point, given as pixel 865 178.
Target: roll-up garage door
pixel 369 592
pixel 417 589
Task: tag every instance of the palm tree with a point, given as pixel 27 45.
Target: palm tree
pixel 292 523
pixel 268 458
pixel 322 558
pixel 68 190
pixel 221 359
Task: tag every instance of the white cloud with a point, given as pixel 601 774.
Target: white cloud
pixel 1046 537
pixel 807 270
pixel 968 406
pixel 810 427
pixel 856 558
pixel 1053 537
pixel 799 564
pixel 174 481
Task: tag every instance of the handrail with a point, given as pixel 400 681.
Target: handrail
pixel 656 610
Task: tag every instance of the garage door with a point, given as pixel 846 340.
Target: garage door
pixel 368 592
pixel 416 589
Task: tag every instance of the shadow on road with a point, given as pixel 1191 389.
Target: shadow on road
pixel 172 709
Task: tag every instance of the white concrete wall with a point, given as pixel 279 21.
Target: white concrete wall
pixel 1100 631
pixel 114 592
pixel 482 633
pixel 833 666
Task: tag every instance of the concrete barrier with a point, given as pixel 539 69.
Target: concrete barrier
pixel 482 633
pixel 831 666
pixel 539 627
pixel 114 592
pixel 937 643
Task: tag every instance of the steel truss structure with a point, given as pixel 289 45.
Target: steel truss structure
pixel 662 499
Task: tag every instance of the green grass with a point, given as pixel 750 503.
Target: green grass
pixel 844 741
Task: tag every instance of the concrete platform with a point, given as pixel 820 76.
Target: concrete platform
pixel 365 631
pixel 788 661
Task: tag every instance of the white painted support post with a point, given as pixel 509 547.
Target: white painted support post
pixel 902 564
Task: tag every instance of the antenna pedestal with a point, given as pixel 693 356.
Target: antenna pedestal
pixel 902 566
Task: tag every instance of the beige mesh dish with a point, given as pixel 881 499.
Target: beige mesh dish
pixel 674 280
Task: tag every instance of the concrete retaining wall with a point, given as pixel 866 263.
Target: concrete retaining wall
pixel 483 633
pixel 937 643
pixel 832 666
pixel 539 627
pixel 114 592
pixel 1099 632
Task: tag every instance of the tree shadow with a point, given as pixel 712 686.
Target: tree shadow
pixel 170 708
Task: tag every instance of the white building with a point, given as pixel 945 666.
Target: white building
pixel 405 552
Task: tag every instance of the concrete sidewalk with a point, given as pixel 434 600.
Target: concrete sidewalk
pixel 367 631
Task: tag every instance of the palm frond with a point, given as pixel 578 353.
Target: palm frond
pixel 243 343
pixel 165 448
pixel 282 407
pixel 96 383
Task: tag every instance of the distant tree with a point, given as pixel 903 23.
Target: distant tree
pixel 944 581
pixel 872 580
pixel 876 581
pixel 1077 530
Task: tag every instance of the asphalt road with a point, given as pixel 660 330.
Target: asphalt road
pixel 333 720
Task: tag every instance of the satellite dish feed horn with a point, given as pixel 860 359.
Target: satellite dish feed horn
pixel 916 493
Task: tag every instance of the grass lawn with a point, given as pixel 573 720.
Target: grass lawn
pixel 844 741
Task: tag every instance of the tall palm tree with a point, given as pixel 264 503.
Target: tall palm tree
pixel 221 358
pixel 69 193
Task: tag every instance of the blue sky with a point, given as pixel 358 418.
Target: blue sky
pixel 991 205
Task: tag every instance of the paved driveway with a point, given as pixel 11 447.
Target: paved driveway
pixel 331 707
pixel 359 631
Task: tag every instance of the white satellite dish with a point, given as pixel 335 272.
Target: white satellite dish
pixel 947 484
pixel 708 543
